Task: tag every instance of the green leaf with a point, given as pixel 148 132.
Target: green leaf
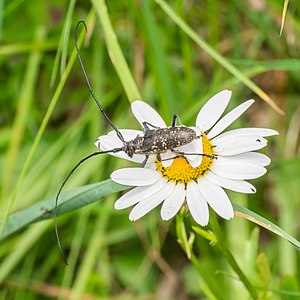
pixel 261 221
pixel 207 234
pixel 68 201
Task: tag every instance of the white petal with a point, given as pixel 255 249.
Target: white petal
pixel 128 134
pixel 145 113
pixel 196 203
pixel 107 142
pixel 167 158
pixel 240 186
pixel 216 198
pixel 212 110
pixel 194 147
pixel 144 207
pixel 229 118
pixel 173 202
pixel 234 169
pixel 151 163
pixel 135 176
pixel 262 132
pixel 196 162
pixel 234 145
pixel 253 158
pixel 197 130
pixel 139 194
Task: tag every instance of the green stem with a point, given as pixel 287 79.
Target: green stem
pixel 187 248
pixel 232 262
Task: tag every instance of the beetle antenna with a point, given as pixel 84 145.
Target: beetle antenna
pixel 61 187
pixel 119 134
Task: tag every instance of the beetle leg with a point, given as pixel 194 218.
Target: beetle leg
pixel 174 118
pixel 144 161
pixel 147 125
pixel 202 154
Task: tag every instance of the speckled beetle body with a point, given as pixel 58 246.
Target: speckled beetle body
pixel 159 140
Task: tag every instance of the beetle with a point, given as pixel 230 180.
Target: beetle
pixel 154 141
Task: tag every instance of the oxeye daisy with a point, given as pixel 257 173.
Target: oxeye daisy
pixel 197 172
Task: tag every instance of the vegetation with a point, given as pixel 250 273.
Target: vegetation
pixel 174 55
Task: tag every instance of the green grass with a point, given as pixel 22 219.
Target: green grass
pixel 174 55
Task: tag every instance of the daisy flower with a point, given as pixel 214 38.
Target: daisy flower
pixel 184 177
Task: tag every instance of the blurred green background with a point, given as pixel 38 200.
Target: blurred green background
pixel 49 122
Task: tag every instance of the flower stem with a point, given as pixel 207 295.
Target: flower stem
pixel 228 255
pixel 187 248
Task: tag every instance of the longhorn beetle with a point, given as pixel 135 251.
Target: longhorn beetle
pixel 155 140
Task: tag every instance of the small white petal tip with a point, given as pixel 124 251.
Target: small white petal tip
pixel 97 143
pixel 274 132
pixel 136 102
pixel 226 92
pixel 117 207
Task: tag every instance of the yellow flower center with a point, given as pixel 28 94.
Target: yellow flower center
pixel 182 171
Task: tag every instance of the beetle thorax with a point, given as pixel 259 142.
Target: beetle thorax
pixel 134 146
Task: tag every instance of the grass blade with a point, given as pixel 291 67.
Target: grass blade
pixel 115 53
pixel 214 54
pixel 261 221
pixel 68 201
pixel 61 53
pixel 285 6
pixel 40 134
pixel 158 53
pixel 27 240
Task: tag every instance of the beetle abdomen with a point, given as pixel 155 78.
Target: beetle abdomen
pixel 162 139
